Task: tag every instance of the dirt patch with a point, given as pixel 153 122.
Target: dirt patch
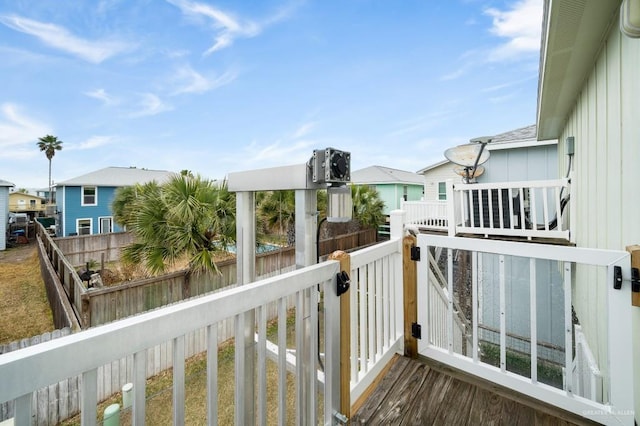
pixel 18 253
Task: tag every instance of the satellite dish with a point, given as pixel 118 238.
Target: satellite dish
pixel 468 155
pixel 462 171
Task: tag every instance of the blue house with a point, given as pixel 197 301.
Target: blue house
pixel 85 201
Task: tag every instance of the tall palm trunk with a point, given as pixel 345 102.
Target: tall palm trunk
pixel 50 187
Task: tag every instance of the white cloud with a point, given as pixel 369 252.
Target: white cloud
pixel 227 26
pixel 150 104
pixel 521 25
pixel 190 81
pixel 508 84
pixel 423 123
pixel 60 38
pixel 103 96
pixel 273 154
pixel 92 142
pixel 304 130
pixel 17 131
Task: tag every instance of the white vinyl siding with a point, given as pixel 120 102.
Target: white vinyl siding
pixel 436 175
pixel 604 206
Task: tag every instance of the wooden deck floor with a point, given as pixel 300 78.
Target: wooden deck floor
pixel 414 393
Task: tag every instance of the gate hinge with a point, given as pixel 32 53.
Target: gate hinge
pixel 415 253
pixel 635 280
pixel 617 277
pixel 416 330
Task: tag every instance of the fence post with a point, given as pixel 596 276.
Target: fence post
pixel 409 281
pixel 397 219
pixel 451 213
pixel 345 337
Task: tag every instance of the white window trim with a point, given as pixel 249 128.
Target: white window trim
pixel 445 191
pixel 90 225
pixel 100 223
pixel 82 203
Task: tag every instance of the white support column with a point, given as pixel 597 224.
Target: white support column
pixel 397 219
pixel 246 261
pixel 306 227
pixel 306 207
pixel 451 211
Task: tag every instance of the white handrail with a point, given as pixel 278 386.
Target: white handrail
pixel 24 371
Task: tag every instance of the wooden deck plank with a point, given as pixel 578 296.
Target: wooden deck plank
pixel 398 395
pixel 365 411
pixel 414 393
pixel 455 410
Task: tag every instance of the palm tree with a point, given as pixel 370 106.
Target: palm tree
pixel 276 214
pixel 188 216
pixel 367 206
pixel 50 144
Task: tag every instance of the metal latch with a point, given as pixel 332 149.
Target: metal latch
pixel 343 282
pixel 617 277
pixel 416 330
pixel 415 253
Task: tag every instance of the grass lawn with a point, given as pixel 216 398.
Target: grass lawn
pixel 24 309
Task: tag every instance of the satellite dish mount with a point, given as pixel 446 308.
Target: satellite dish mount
pixel 469 156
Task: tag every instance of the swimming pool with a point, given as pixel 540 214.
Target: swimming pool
pixel 261 248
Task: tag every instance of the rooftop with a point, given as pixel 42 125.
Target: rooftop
pixel 118 176
pixel 381 175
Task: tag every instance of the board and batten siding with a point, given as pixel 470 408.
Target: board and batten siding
pixel 604 189
pixel 519 164
pixel 434 176
pixel 73 208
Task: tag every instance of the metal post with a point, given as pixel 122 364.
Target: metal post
pixel 246 260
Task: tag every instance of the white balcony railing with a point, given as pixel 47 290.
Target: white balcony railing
pixel 376 328
pixel 515 289
pixel 429 214
pixel 528 209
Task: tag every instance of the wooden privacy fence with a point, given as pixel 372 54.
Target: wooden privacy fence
pixel 61 273
pixel 52 403
pixel 61 310
pixel 100 306
pixel 96 306
pixel 347 242
pixel 84 248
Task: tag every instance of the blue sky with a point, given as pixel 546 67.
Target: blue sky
pixel 222 86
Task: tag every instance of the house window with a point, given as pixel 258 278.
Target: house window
pixel 32 204
pixel 89 196
pixel 106 225
pixel 442 190
pixel 83 227
pixel 405 192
